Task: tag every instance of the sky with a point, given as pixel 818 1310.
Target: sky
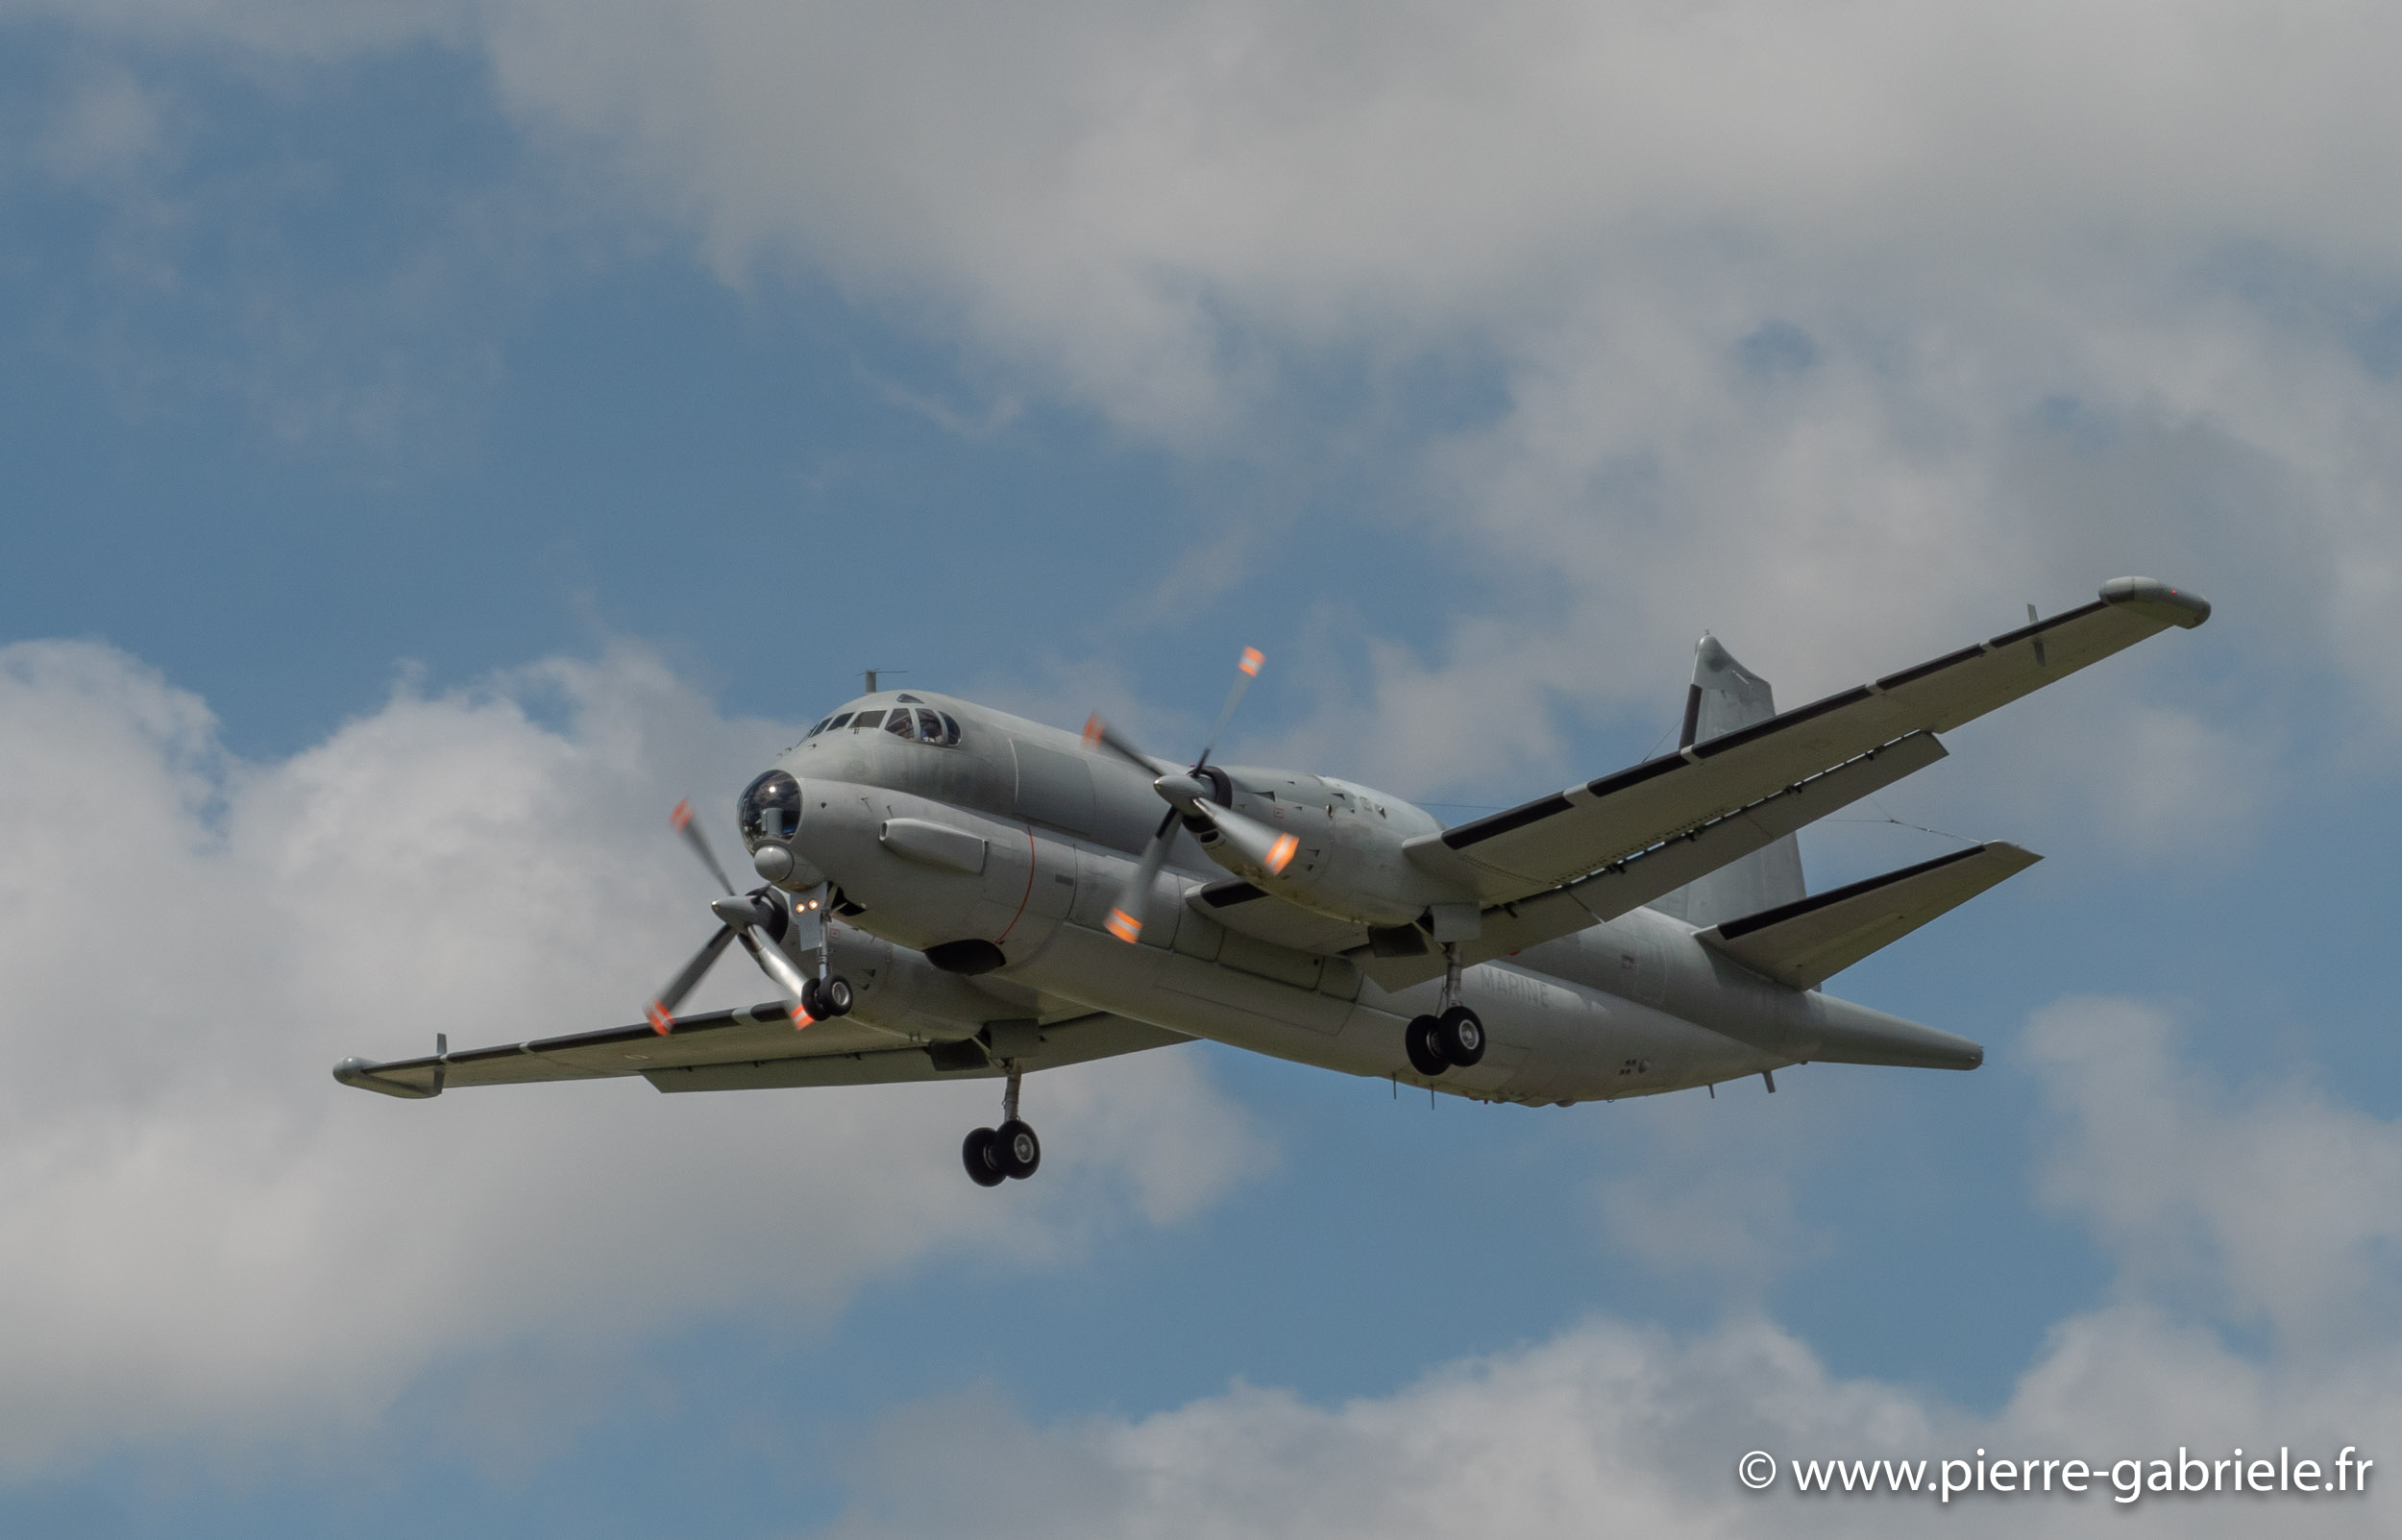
pixel 437 436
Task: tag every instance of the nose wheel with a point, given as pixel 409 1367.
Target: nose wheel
pixel 995 1155
pixel 829 997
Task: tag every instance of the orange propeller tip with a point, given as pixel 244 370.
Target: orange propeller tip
pixel 682 814
pixel 1280 854
pixel 660 1020
pixel 1124 926
pixel 1252 658
pixel 1093 729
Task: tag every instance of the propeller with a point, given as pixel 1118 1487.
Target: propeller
pixel 740 916
pixel 1189 795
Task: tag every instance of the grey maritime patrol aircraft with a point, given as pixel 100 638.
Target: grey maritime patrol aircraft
pixel 950 892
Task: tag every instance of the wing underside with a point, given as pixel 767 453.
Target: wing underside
pixel 724 1050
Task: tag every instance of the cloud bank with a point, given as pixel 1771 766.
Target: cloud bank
pixel 2254 1257
pixel 1845 331
pixel 211 1242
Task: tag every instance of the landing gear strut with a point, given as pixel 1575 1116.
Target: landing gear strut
pixel 1452 1038
pixel 829 993
pixel 995 1155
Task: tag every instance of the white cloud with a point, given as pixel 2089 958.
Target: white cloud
pixel 1843 330
pixel 211 1241
pixel 1614 1429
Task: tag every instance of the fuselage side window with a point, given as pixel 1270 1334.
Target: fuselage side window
pixel 898 723
pixel 868 719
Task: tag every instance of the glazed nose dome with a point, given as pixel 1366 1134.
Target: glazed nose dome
pixel 769 809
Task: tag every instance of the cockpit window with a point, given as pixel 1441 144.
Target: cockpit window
pixel 832 722
pixel 898 723
pixel 951 728
pixel 818 728
pixel 868 719
pixel 929 726
pixel 769 808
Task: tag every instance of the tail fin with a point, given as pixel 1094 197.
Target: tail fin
pixel 1727 695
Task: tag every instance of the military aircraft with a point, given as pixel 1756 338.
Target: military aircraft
pixel 950 892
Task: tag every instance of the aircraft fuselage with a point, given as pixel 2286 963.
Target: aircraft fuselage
pixel 995 846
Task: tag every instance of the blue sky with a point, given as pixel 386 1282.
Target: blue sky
pixel 436 439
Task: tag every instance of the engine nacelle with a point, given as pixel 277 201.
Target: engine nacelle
pixel 1345 860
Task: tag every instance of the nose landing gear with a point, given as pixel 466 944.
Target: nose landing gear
pixel 995 1155
pixel 1453 1037
pixel 825 997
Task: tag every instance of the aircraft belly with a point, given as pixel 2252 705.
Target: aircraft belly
pixel 1549 1041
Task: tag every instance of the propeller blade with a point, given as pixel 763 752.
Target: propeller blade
pixel 1269 849
pixel 1133 900
pixel 1098 734
pixel 1248 667
pixel 662 1011
pixel 681 817
pixel 776 966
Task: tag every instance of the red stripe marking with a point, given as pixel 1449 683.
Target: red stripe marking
pixel 1027 896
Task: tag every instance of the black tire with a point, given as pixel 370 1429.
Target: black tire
pixel 835 995
pixel 1016 1151
pixel 1460 1036
pixel 809 1000
pixel 977 1156
pixel 1425 1054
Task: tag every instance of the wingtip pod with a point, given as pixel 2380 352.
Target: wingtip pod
pixel 360 1073
pixel 2150 596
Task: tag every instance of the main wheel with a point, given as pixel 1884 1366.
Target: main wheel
pixel 835 995
pixel 978 1156
pixel 1460 1036
pixel 1419 1041
pixel 1016 1151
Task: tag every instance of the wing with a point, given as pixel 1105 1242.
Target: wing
pixel 724 1050
pixel 1528 850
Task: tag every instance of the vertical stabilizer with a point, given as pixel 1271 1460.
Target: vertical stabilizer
pixel 1727 695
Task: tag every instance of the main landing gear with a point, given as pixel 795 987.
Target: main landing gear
pixel 995 1155
pixel 1452 1039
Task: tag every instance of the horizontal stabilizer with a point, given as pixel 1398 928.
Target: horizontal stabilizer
pixel 1803 944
